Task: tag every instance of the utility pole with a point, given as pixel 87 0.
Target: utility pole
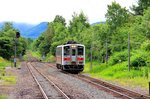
pixel 129 51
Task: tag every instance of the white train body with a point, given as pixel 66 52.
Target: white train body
pixel 70 57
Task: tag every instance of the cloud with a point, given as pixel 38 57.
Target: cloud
pixel 35 11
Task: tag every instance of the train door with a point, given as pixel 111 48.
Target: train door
pixel 73 55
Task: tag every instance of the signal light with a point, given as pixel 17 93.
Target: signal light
pixel 17 34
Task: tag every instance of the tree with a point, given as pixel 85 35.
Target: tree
pixel 59 19
pixel 77 25
pixel 142 5
pixel 146 23
pixel 7 26
pixel 55 35
pixel 116 16
pixel 7 41
pixel 99 35
pixel 6 47
pixel 60 33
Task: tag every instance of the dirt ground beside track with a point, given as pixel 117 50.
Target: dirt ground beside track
pixel 7 89
pixel 25 87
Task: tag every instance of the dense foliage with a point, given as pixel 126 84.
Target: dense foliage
pixel 111 35
pixel 142 5
pixel 7 42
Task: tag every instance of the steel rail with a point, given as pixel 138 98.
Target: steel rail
pixel 52 83
pixel 117 87
pixel 107 88
pixel 40 87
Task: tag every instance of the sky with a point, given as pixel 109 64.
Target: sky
pixel 36 11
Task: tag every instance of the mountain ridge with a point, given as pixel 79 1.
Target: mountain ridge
pixel 36 31
pixel 29 30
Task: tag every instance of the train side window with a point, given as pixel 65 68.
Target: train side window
pixel 67 50
pixel 80 50
pixel 58 51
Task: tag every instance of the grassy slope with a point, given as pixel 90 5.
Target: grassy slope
pixel 35 54
pixel 118 73
pixel 3 62
pixel 5 79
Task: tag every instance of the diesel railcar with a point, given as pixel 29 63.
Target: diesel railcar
pixel 70 57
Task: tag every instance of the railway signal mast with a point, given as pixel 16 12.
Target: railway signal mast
pixel 17 36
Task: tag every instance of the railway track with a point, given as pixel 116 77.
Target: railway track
pixel 48 89
pixel 117 91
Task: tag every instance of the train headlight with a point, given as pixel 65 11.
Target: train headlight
pixel 73 46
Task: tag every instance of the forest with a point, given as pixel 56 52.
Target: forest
pixel 8 40
pixel 107 40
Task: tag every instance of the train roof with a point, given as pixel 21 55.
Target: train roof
pixel 69 45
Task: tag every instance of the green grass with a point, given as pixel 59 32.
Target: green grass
pixel 50 58
pixel 3 97
pixel 119 73
pixel 4 63
pixel 25 57
pixel 35 54
pixel 8 79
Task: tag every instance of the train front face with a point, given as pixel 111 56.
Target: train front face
pixel 74 57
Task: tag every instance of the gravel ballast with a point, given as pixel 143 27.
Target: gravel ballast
pixel 76 88
pixel 26 88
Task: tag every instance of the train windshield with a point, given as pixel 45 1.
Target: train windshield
pixel 73 52
pixel 67 50
pixel 80 50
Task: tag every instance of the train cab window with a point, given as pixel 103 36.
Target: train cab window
pixel 80 50
pixel 66 50
pixel 73 52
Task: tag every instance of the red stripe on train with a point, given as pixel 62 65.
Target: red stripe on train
pixel 67 59
pixel 80 58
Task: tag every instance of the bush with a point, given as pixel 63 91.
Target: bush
pixel 118 57
pixel 146 45
pixel 50 58
pixel 138 59
pixel 138 62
